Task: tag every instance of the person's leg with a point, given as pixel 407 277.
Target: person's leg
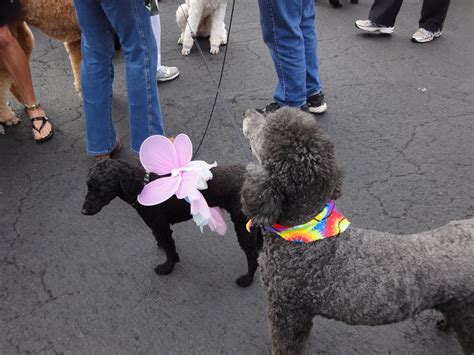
pixel 16 63
pixel 313 78
pixel 384 12
pixel 315 98
pixel 154 11
pixel 163 73
pixel 131 21
pixel 433 14
pixel 280 22
pixel 97 74
pixel 156 25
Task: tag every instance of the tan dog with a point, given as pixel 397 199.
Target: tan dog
pixel 55 18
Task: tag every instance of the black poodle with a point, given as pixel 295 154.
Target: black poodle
pixel 111 178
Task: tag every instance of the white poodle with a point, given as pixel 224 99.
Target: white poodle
pixel 205 18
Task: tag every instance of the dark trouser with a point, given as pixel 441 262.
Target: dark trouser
pixel 433 13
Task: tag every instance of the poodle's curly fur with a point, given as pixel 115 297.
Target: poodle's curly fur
pixel 113 178
pixel 362 277
pixel 206 19
pixel 57 19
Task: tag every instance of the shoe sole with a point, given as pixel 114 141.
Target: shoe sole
pixel 426 40
pixel 319 109
pixel 386 30
pixel 168 79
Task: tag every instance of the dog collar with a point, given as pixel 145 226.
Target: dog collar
pixel 327 223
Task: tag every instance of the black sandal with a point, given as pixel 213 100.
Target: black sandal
pixel 43 120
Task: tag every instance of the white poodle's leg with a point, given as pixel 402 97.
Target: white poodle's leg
pixel 181 19
pixel 195 13
pixel 224 34
pixel 217 25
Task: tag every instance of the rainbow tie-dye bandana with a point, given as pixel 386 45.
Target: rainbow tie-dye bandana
pixel 328 223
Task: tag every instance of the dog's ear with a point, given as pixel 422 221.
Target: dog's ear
pixel 131 184
pixel 261 200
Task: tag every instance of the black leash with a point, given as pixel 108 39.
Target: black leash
pixel 217 86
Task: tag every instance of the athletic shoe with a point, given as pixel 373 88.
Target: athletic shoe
pixel 316 103
pixel 369 26
pixel 422 35
pixel 165 73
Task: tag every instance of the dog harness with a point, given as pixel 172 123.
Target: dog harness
pixel 327 223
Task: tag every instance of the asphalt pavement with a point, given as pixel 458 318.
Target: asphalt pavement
pixel 401 117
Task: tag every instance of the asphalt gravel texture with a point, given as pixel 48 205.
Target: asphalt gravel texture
pixel 400 115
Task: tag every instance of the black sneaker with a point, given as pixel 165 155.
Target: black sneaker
pixel 316 103
pixel 270 108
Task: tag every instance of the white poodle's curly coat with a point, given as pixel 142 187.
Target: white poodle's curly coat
pixel 203 18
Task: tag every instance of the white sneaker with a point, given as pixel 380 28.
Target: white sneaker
pixel 422 35
pixel 165 73
pixel 369 26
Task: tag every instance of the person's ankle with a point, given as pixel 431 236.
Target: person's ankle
pixel 36 113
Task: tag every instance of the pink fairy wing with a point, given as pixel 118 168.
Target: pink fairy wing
pixel 158 154
pixel 216 222
pixel 184 148
pixel 159 190
pixel 187 187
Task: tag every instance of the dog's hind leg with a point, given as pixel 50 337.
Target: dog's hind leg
pixel 289 327
pixel 164 240
pixel 217 28
pixel 248 243
pixel 75 56
pixel 459 316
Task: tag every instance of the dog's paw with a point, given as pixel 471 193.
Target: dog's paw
pixel 223 41
pixel 164 269
pixel 10 121
pixel 214 50
pixel 9 118
pixel 244 280
pixel 185 51
pixel 180 40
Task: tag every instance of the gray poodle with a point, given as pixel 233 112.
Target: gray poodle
pixel 360 277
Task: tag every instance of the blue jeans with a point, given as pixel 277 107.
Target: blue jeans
pixel 130 20
pixel 288 29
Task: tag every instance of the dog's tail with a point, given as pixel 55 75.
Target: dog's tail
pixel 182 16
